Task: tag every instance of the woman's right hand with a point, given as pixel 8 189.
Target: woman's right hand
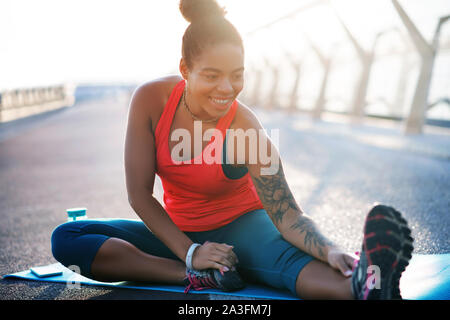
pixel 214 255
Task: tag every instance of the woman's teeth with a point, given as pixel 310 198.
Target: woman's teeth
pixel 221 101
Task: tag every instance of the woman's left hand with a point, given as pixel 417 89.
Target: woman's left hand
pixel 341 261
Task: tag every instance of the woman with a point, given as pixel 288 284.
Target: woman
pixel 223 222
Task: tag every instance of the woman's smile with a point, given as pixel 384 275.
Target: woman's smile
pixel 221 103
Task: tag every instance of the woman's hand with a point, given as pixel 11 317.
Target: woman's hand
pixel 341 261
pixel 214 255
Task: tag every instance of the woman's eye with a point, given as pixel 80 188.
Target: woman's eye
pixel 215 77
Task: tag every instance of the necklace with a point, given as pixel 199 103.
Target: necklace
pixel 193 115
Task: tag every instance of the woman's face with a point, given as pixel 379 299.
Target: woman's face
pixel 215 80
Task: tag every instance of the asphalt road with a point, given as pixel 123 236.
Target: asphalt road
pixel 74 158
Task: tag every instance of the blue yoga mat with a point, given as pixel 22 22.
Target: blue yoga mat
pixel 73 279
pixel 426 278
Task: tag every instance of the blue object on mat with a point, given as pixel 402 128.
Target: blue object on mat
pixel 76 214
pixel 426 278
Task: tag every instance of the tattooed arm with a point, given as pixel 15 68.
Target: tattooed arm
pixel 270 183
pixel 295 226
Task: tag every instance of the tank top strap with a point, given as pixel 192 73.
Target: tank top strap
pixel 165 121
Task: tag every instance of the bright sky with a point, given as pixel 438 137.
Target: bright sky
pixel 51 41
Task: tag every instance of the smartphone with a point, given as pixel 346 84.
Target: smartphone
pixel 46 271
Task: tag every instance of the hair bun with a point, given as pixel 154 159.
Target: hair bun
pixel 195 10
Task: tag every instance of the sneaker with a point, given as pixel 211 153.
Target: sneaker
pixel 213 279
pixel 386 251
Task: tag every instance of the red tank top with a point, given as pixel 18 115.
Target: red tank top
pixel 200 197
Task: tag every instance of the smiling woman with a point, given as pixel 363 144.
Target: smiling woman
pixel 216 81
pixel 218 50
pixel 218 226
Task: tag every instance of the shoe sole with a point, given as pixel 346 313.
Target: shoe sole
pixel 229 281
pixel 388 245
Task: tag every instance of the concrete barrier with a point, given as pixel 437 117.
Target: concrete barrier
pixel 24 102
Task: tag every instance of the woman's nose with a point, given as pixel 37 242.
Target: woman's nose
pixel 225 86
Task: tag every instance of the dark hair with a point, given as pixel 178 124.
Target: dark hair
pixel 208 27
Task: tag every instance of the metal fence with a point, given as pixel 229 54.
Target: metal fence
pixel 281 72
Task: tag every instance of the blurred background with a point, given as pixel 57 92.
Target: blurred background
pixel 379 58
pixel 358 89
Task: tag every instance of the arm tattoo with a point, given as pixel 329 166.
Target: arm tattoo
pixel 277 199
pixel 312 237
pixel 275 195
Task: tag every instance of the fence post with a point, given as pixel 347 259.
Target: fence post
pixel 417 114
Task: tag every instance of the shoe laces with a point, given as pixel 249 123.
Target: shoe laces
pixel 199 280
pixel 365 288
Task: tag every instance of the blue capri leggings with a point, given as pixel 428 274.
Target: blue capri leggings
pixel 264 256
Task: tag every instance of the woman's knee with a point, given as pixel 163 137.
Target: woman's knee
pixel 60 241
pixel 73 245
